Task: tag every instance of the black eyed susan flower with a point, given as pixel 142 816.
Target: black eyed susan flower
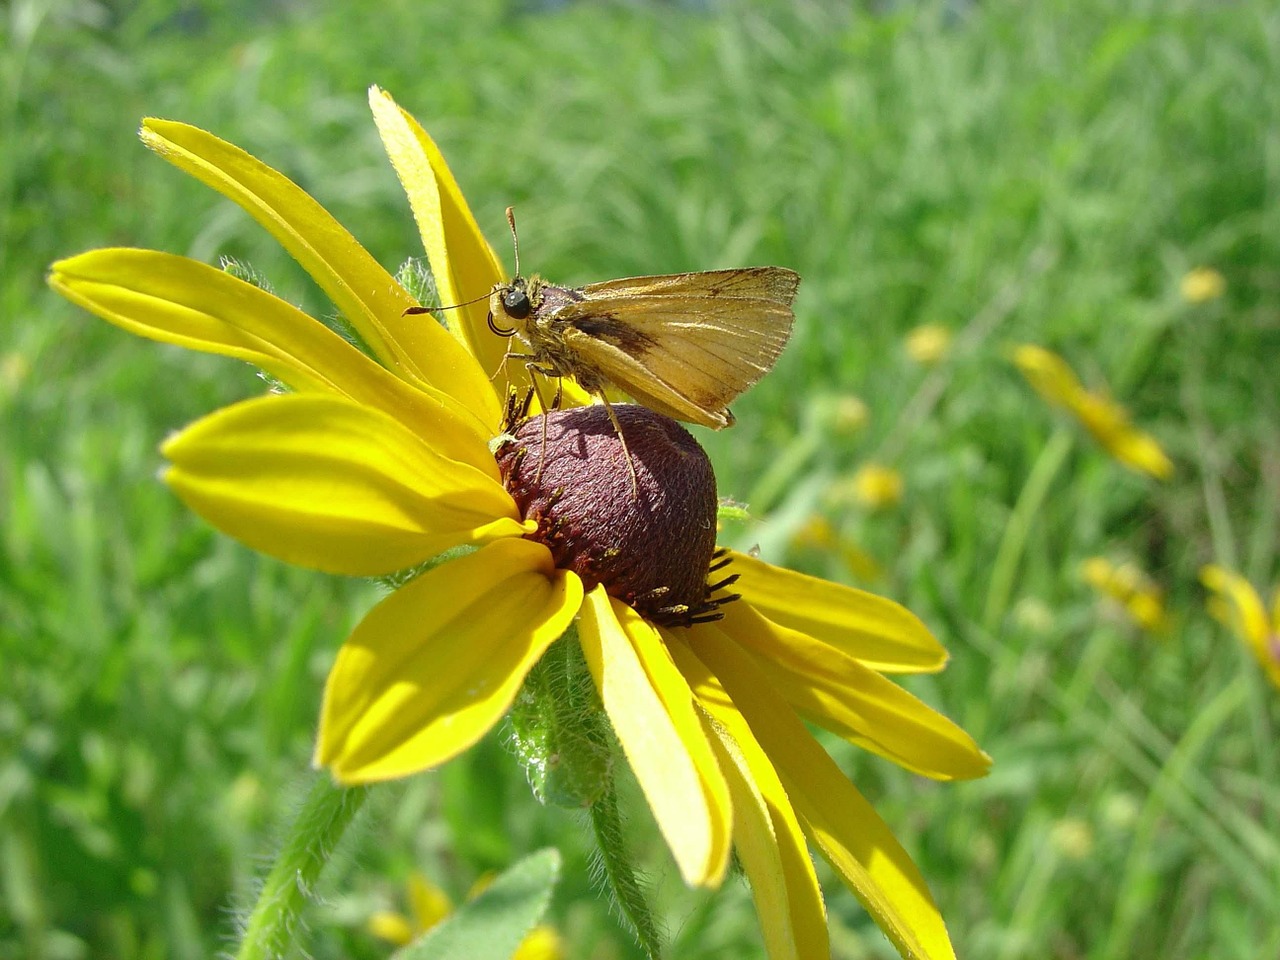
pixel 707 661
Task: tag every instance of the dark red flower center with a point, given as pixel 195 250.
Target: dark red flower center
pixel 652 543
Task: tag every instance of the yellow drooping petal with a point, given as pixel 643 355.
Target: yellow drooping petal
pixel 1252 616
pixel 541 943
pixel 1049 375
pixel 766 833
pixel 390 926
pixel 651 709
pixel 176 300
pixel 834 815
pixel 1248 616
pixel 876 632
pixel 437 663
pixel 838 693
pixel 325 483
pixel 1130 588
pixel 367 296
pixel 1107 421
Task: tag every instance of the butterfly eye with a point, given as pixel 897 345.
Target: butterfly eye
pixel 516 303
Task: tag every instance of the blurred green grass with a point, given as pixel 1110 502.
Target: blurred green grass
pixel 1041 172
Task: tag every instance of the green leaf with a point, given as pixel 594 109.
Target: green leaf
pixel 491 926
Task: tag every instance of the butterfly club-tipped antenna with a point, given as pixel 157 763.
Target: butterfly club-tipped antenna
pixel 415 310
pixel 515 238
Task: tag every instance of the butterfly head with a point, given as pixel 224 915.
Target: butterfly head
pixel 513 302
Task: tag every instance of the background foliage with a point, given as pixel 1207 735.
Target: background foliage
pixel 1044 172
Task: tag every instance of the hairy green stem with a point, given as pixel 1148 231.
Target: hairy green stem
pixel 319 824
pixel 620 873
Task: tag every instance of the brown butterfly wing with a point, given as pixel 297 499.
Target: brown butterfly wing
pixel 617 366
pixel 752 283
pixel 683 355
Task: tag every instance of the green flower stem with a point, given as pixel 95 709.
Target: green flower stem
pixel 626 888
pixel 1025 511
pixel 325 814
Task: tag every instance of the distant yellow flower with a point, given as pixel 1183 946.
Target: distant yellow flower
pixel 14 368
pixel 428 905
pixel 929 343
pixel 1073 838
pixel 844 414
pixel 1034 615
pixel 1237 604
pixel 1107 421
pixel 818 534
pixel 876 486
pixel 1202 285
pixel 1130 588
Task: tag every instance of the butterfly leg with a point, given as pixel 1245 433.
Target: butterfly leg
pixel 532 366
pixel 626 454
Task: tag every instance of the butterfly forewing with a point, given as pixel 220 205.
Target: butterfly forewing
pixel 756 283
pixel 683 355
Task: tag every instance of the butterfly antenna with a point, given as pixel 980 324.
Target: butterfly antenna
pixel 410 311
pixel 515 240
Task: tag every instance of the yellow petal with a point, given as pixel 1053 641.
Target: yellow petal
pixel 541 943
pixel 1048 374
pixel 429 903
pixel 462 262
pixel 438 662
pixel 834 815
pixel 1249 616
pixel 1109 424
pixel 651 708
pixel 768 838
pixel 390 926
pixel 876 632
pixel 324 483
pixel 359 287
pixel 840 694
pixel 180 301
